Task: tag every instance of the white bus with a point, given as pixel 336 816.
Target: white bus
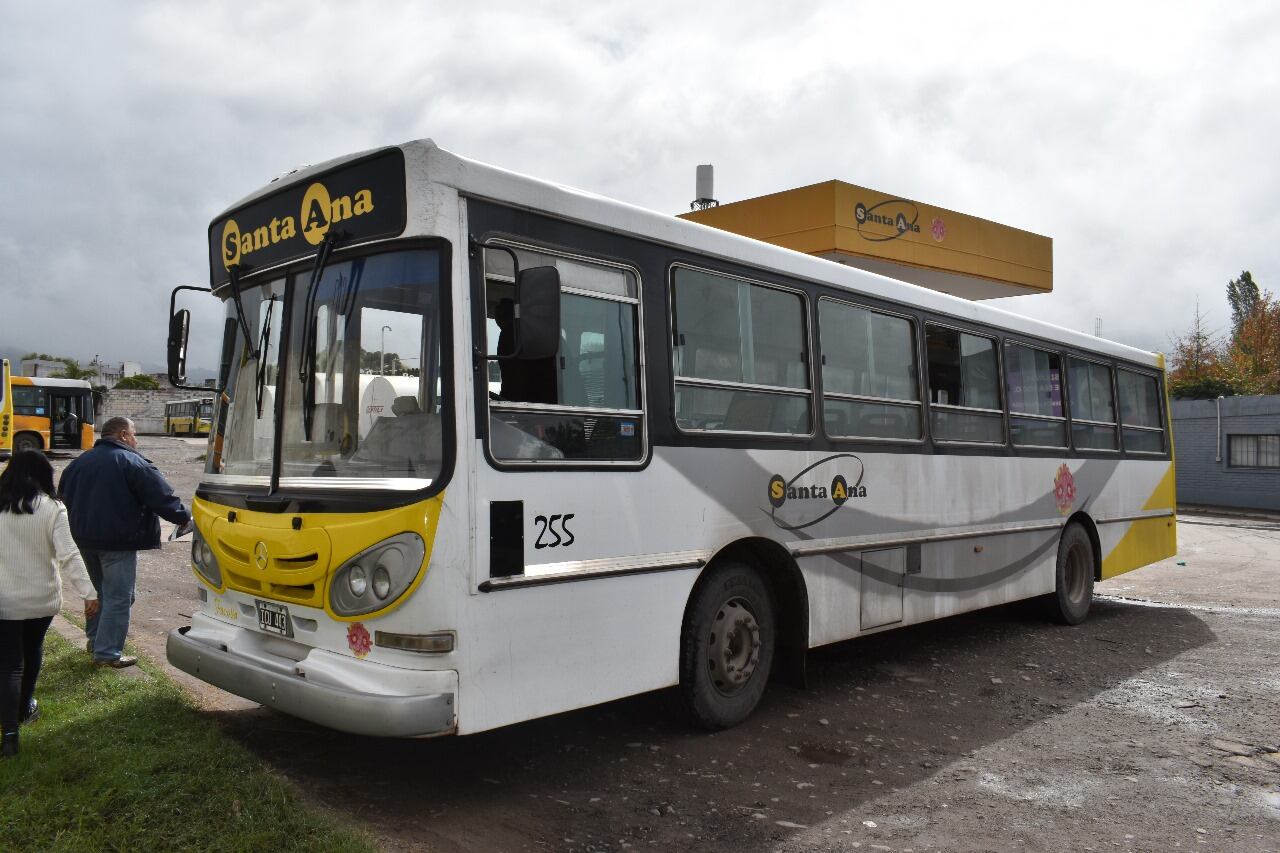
pixel 700 455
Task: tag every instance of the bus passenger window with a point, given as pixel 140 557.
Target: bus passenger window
pixel 868 373
pixel 1093 410
pixel 964 388
pixel 1140 412
pixel 1033 382
pixel 741 356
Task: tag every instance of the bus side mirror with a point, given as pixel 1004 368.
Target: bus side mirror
pixel 229 329
pixel 538 295
pixel 179 328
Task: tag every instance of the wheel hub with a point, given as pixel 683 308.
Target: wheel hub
pixel 733 649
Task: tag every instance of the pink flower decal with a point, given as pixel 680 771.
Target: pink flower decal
pixel 358 639
pixel 1064 489
pixel 939 229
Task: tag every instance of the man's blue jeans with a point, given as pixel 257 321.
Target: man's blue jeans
pixel 113 574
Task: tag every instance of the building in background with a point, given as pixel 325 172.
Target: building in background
pixel 109 374
pixel 41 367
pixel 1227 452
pixel 914 242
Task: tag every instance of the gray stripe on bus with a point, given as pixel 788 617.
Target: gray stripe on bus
pixel 1087 476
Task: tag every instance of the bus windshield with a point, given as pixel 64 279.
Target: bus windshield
pixel 373 355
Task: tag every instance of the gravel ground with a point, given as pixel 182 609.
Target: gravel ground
pixel 1153 726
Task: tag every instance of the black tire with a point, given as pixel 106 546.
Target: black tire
pixel 27 441
pixel 723 672
pixel 1073 583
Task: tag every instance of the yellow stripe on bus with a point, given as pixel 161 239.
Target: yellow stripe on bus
pixel 1150 539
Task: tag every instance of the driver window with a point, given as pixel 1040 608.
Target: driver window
pixel 584 402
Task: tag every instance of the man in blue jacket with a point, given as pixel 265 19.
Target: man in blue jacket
pixel 113 494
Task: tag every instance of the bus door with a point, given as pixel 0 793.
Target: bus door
pixel 69 412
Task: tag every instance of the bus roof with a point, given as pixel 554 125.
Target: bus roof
pixel 426 163
pixel 51 382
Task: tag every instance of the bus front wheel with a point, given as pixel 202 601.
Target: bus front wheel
pixel 726 646
pixel 27 441
pixel 1073 585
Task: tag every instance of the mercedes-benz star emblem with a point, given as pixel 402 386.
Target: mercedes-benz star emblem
pixel 260 555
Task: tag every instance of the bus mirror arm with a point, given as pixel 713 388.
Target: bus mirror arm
pixel 179 330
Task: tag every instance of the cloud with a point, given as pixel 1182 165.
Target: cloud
pixel 1136 135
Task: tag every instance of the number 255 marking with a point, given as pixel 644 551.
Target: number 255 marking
pixel 547 526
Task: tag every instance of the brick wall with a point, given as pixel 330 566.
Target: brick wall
pixel 144 408
pixel 1202 478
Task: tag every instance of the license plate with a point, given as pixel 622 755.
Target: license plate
pixel 274 618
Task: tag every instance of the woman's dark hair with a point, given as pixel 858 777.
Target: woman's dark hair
pixel 27 475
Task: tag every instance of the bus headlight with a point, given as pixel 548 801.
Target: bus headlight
pixel 206 565
pixel 377 576
pixel 357 579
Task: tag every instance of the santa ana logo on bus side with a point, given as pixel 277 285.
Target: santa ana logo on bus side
pixel 817 492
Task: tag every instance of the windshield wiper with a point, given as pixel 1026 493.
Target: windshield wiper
pixel 307 367
pixel 233 275
pixel 264 341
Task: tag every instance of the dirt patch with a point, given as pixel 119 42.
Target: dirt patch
pixel 1153 726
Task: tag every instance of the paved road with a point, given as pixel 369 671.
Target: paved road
pixel 1153 726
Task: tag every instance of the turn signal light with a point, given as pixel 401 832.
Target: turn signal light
pixel 439 643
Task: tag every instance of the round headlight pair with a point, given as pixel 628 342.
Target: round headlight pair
pixel 206 565
pixel 358 580
pixel 377 576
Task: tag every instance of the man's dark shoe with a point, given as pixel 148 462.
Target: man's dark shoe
pixel 118 663
pixel 10 745
pixel 33 713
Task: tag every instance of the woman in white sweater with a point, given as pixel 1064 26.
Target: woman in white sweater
pixel 35 549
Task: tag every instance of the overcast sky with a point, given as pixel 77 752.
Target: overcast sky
pixel 1140 137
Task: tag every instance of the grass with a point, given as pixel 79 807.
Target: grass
pixel 124 764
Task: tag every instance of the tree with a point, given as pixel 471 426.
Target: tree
pixel 73 370
pixel 141 382
pixel 1195 363
pixel 1203 366
pixel 1243 296
pixel 1252 362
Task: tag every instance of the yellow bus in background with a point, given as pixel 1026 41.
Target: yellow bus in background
pixel 6 409
pixel 188 417
pixel 51 414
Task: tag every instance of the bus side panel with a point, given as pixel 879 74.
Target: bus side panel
pixel 833 583
pixel 543 650
pixel 945 579
pixel 961 575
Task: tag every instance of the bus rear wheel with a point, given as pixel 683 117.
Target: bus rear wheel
pixel 726 646
pixel 1073 585
pixel 27 441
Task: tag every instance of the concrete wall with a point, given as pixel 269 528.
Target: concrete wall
pixel 144 408
pixel 1205 479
